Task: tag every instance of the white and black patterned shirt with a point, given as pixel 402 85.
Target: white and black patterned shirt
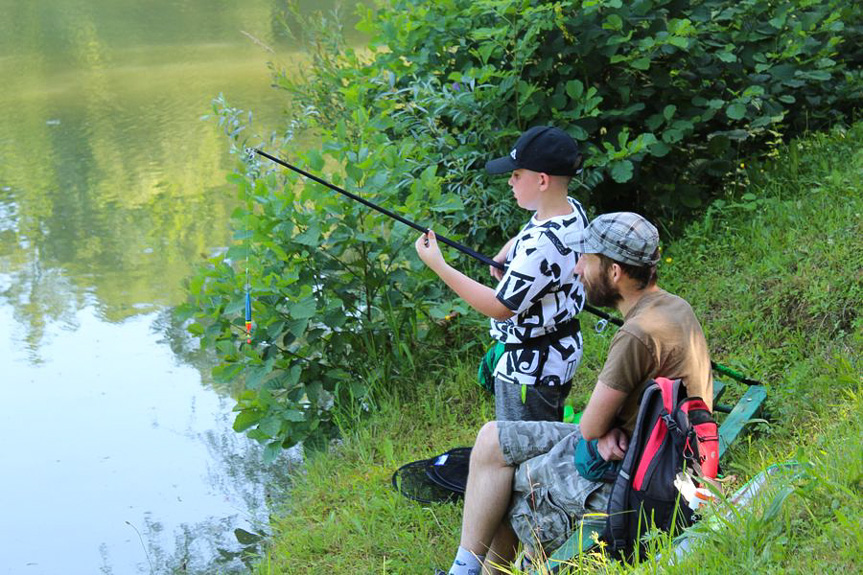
pixel 540 287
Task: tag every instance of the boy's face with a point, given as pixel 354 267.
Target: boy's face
pixel 527 187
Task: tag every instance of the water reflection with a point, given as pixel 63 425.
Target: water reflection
pixel 118 452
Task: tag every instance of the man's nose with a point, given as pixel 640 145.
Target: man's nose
pixel 579 265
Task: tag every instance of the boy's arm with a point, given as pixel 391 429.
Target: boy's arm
pixel 479 297
pixel 497 273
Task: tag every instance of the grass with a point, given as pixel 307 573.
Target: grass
pixel 775 274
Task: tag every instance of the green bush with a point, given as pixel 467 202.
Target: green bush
pixel 336 307
pixel 665 97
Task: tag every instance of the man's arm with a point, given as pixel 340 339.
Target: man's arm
pixel 597 419
pixel 601 410
pixel 479 297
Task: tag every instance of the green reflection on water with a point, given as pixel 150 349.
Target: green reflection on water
pixel 111 186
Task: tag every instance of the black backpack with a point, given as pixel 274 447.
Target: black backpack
pixel 672 431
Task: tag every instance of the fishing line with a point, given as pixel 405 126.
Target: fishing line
pixel 253 172
pixel 605 318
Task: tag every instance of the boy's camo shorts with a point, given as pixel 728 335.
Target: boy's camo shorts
pixel 549 496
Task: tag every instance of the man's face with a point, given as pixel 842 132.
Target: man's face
pixel 596 281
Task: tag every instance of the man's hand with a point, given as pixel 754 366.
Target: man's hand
pixel 612 446
pixel 429 252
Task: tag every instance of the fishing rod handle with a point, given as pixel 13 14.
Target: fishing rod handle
pixel 734 374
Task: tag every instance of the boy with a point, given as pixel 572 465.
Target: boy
pixel 533 308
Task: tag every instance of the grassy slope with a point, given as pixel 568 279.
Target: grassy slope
pixel 776 279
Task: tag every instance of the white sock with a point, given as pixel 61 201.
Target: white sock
pixel 466 563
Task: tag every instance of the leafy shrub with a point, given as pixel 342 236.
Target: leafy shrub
pixel 665 97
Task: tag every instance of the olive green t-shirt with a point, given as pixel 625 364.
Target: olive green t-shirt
pixel 660 337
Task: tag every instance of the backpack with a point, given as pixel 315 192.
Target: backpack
pixel 672 432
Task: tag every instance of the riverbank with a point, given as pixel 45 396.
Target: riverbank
pixel 774 275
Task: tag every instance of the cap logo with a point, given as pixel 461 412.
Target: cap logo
pixel 512 154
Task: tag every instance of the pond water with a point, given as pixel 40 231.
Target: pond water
pixel 117 449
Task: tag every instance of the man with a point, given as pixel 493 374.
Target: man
pixel 524 482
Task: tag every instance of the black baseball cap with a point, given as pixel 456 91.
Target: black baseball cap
pixel 541 149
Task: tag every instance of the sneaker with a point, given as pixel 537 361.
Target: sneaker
pixel 439 572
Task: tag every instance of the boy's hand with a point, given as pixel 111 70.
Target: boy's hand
pixel 429 252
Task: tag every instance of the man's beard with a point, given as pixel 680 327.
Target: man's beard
pixel 600 292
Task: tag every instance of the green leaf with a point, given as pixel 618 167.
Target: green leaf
pixel 736 111
pixel 226 373
pixel 613 22
pixel 574 89
pixel 640 63
pixel 310 237
pixel 753 91
pixel 246 538
pixel 236 305
pixel 813 75
pixel 315 159
pixel 354 172
pixel 485 51
pixel 271 452
pixel 195 329
pixel 668 111
pixel 256 375
pixel 621 171
pixel 246 419
pixel 303 309
pixel 270 425
pixel 653 122
pixel 778 21
pixel 660 149
pixel 679 41
pixel 238 252
pixel 672 136
pixel 298 327
pixel 293 415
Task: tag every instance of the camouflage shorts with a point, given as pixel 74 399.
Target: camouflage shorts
pixel 549 496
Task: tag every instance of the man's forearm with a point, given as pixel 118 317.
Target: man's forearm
pixel 602 408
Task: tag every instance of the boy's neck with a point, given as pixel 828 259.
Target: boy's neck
pixel 553 205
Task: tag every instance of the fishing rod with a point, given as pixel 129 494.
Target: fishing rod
pixel 474 254
pixel 462 248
